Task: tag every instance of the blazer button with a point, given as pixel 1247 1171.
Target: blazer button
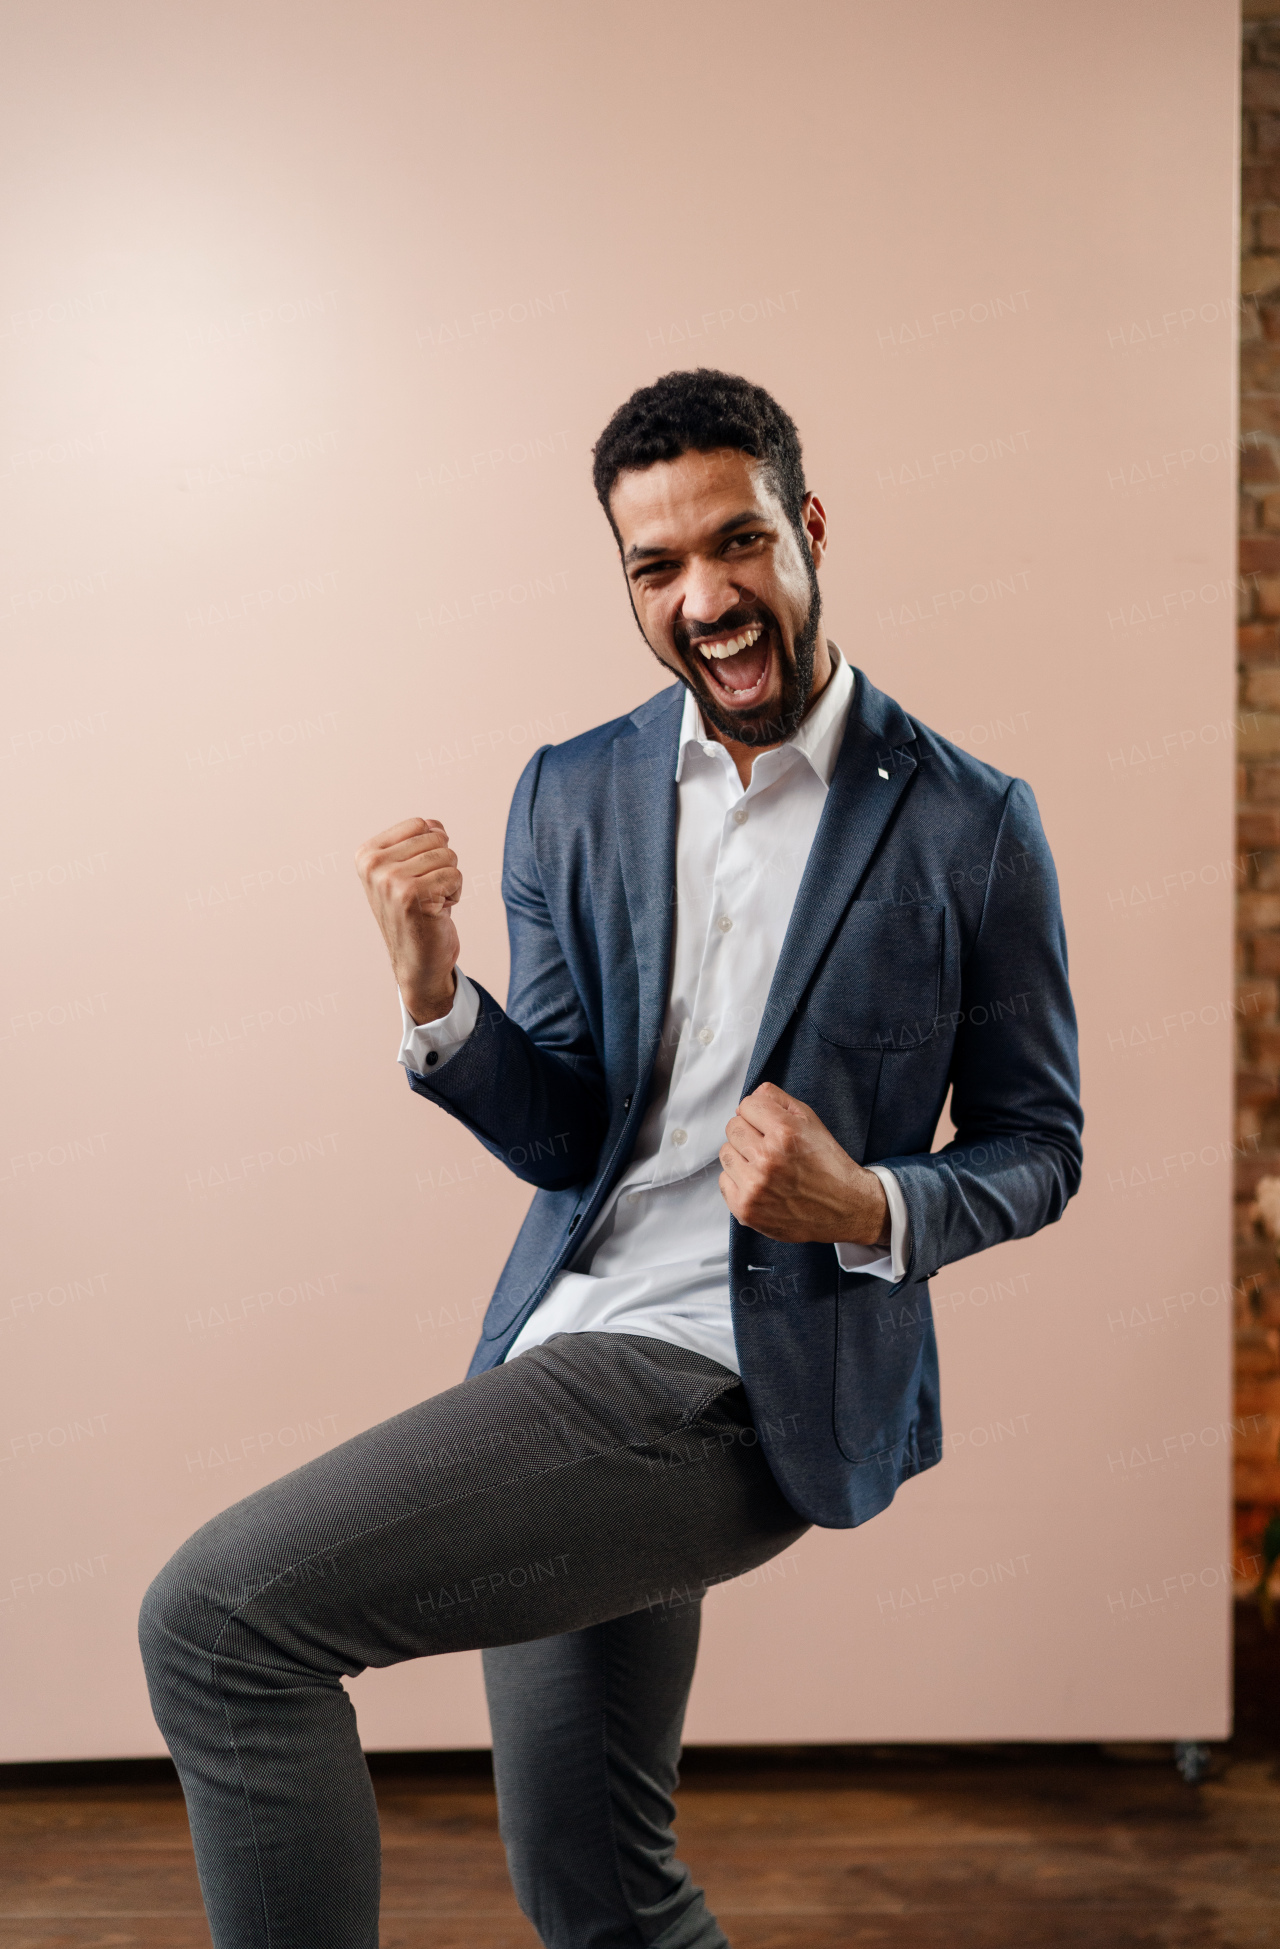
pixel 433 1057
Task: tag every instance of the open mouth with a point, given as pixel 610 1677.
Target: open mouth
pixel 737 665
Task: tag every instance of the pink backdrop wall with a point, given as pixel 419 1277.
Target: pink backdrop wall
pixel 309 319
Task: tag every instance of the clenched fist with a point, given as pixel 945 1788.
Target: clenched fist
pixel 783 1173
pixel 411 877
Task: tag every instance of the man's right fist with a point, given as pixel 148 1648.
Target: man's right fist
pixel 412 880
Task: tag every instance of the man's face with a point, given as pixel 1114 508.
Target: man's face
pixel 724 590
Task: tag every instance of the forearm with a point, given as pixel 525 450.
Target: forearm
pixel 528 1106
pixel 981 1191
pixel 1015 1160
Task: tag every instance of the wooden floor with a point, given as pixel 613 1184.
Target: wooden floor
pixel 893 1847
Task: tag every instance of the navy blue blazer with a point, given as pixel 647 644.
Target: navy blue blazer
pixel 925 951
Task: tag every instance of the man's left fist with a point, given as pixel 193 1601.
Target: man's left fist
pixel 784 1175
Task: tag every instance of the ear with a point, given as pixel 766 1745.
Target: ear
pixel 813 519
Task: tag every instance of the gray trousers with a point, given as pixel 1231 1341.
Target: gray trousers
pixel 566 1513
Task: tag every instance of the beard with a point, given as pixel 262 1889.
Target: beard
pixel 765 724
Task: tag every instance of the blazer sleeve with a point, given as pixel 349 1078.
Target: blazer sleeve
pixel 1016 1156
pixel 528 1081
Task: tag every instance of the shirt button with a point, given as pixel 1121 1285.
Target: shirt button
pixel 741 816
pixel 724 923
pixel 679 1136
pixel 705 1035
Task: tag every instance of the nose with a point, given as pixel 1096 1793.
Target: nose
pixel 709 592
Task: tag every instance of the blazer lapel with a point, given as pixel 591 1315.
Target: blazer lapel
pixel 873 770
pixel 644 804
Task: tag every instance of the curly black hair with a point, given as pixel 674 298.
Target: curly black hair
pixel 697 412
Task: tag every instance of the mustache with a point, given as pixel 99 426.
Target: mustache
pixel 687 637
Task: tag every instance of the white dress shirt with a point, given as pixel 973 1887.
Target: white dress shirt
pixel 656 1261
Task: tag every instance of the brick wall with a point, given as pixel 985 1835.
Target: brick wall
pixel 1258 785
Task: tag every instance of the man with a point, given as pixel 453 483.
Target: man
pixel 759 927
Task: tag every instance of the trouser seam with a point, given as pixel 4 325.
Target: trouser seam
pixel 248 1807
pixel 378 1529
pixel 677 1922
pixel 608 1788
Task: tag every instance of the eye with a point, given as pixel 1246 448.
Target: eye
pixel 742 541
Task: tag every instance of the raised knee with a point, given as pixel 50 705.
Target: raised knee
pixel 177 1615
pixel 159 1620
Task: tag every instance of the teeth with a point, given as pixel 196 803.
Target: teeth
pixel 748 637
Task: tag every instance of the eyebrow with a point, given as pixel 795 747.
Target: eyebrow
pixel 753 518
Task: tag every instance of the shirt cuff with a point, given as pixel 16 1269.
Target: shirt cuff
pixel 891 1265
pixel 426 1047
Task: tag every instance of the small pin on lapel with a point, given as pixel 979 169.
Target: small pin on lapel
pixel 883 773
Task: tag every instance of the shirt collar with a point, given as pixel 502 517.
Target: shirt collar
pixel 817 739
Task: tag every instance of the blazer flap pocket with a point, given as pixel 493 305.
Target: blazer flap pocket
pixel 879 982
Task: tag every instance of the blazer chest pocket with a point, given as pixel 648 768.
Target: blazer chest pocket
pixel 879 984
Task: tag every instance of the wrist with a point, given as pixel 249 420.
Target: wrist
pixel 428 1004
pixel 872 1219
